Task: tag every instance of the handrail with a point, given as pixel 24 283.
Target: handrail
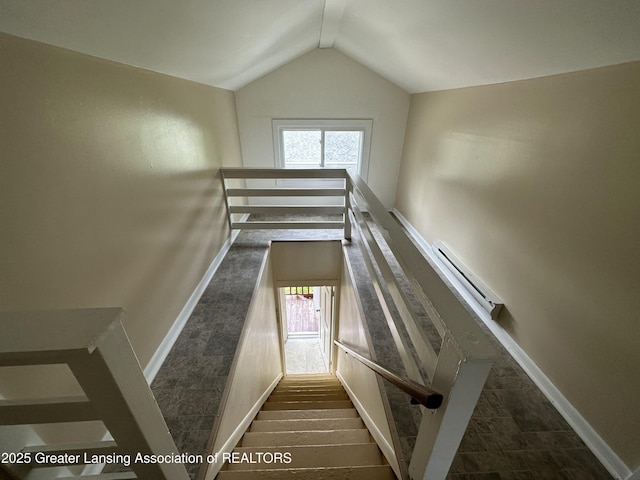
pixel 423 395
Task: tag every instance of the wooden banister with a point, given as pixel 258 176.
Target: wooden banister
pixel 421 394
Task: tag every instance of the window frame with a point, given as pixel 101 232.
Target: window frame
pixel 363 125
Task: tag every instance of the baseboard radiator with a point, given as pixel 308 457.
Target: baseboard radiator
pixel 472 284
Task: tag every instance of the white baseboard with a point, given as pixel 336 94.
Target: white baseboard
pixel 234 438
pixel 152 368
pixel 605 454
pixel 386 448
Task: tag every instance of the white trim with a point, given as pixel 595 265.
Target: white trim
pixel 605 454
pixel 386 448
pixel 158 358
pixel 236 435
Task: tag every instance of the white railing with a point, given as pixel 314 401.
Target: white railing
pixel 255 195
pixel 457 366
pixel 95 347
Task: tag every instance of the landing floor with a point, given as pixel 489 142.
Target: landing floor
pixel 303 355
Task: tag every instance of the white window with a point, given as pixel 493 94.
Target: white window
pixel 323 144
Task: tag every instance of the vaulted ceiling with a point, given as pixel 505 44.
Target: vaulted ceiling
pixel 421 45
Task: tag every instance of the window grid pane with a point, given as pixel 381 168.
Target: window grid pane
pixel 302 148
pixel 342 149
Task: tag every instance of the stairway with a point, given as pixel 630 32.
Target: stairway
pixel 307 429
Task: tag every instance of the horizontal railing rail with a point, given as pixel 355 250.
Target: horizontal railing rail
pixel 261 173
pixel 286 192
pixel 286 209
pixel 329 197
pixel 421 394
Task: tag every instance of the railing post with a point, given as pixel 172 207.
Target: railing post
pixel 227 202
pixel 461 380
pixel 348 187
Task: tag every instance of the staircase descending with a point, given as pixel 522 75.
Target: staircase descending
pixel 310 420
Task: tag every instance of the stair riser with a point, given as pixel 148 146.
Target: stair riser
pixel 307 381
pixel 304 383
pixel 286 391
pixel 320 397
pixel 292 389
pixel 313 456
pixel 310 424
pixel 330 437
pixel 307 405
pixel 377 472
pixel 315 386
pixel 307 414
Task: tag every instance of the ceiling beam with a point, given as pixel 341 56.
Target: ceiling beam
pixel 331 18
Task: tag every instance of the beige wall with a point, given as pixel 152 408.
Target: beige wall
pixel 326 84
pixel 109 194
pixel 535 186
pixel 306 263
pixel 361 382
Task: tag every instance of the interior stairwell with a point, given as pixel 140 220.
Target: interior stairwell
pixel 307 429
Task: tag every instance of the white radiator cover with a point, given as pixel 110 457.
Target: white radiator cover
pixel 472 284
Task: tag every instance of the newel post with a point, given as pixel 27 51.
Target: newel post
pixel 460 379
pixel 348 187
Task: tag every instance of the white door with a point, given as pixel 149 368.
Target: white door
pixel 326 316
pixel 282 300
